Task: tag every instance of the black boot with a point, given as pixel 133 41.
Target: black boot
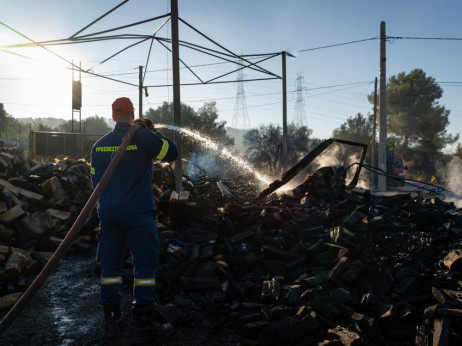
pixel 146 329
pixel 114 319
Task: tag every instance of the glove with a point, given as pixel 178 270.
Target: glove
pixel 145 122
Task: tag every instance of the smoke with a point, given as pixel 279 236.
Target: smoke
pixel 329 157
pixel 206 164
pixel 453 179
pixel 364 176
pixel 337 155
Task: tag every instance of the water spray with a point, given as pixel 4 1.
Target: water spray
pixel 212 145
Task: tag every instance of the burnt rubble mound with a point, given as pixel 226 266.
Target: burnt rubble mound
pixel 323 264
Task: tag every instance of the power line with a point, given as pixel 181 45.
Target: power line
pixel 278 92
pixel 338 44
pixel 59 56
pixel 329 92
pixel 424 38
pixel 169 69
pixel 340 85
pixel 22 56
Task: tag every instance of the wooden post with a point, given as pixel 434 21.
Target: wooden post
pixel 374 135
pixel 176 91
pixel 140 101
pixel 382 159
pixel 284 112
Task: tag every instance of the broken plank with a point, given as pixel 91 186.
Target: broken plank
pixel 181 197
pixel 30 194
pixel 62 215
pixel 3 163
pixel 16 265
pixel 224 191
pixel 452 257
pixel 9 186
pixel 7 155
pixel 12 214
pixel 174 196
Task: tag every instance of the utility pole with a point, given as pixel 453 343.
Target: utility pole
pixel 382 159
pixel 140 96
pixel 284 111
pixel 176 91
pixel 374 129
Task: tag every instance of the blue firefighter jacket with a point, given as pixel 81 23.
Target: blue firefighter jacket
pixel 130 188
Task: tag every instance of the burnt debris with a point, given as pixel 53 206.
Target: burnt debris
pixel 324 264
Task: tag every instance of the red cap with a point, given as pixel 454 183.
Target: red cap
pixel 122 106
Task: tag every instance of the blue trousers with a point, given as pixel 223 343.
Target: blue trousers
pixel 139 232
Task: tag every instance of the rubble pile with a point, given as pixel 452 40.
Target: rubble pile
pixel 39 202
pixel 320 266
pixel 323 264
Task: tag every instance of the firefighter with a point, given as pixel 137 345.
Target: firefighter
pixel 126 212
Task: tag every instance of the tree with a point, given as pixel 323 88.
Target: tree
pixel 3 123
pixel 92 125
pixel 67 126
pixel 417 120
pixel 204 122
pixel 43 127
pixel 414 113
pixel 458 151
pixel 96 125
pixel 356 129
pixel 265 146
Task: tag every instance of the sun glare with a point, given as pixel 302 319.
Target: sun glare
pixel 47 85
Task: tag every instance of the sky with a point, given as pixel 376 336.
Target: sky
pixel 333 82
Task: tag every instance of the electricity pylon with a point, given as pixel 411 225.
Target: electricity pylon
pixel 300 116
pixel 241 118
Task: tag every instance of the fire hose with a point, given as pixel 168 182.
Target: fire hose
pixel 71 235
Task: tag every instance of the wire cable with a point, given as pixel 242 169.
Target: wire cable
pixel 217 82
pixel 424 38
pixel 338 44
pixel 22 56
pixel 59 56
pixel 405 180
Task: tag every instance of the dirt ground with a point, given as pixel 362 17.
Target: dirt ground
pixel 65 311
